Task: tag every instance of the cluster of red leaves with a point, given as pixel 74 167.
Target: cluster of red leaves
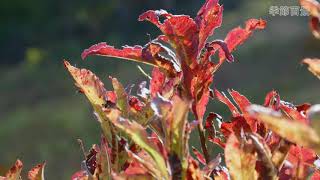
pixel 180 81
pixel 255 147
pixel 190 61
pixel 255 127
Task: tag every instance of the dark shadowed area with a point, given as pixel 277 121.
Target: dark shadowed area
pixel 41 113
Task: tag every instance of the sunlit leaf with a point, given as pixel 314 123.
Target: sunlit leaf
pixel 14 172
pixel 149 54
pixel 209 18
pixel 313 66
pixel 240 160
pixel 157 82
pixel 181 30
pixel 37 173
pixel 313 7
pixel 94 90
pixel 294 130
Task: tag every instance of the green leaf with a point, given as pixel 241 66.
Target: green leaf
pixel 139 136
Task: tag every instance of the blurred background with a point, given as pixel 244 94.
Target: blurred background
pixel 41 113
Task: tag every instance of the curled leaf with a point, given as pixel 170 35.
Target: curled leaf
pixel 181 31
pixel 313 7
pixel 315 26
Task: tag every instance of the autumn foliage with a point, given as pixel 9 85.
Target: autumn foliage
pixel 146 135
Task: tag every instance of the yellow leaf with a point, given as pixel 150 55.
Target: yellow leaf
pixel 240 160
pixel 313 66
pixel 293 131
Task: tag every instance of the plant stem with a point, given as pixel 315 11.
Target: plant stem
pixel 203 142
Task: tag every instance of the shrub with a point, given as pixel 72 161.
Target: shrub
pixel 146 136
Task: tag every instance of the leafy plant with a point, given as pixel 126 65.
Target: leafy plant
pixel 146 135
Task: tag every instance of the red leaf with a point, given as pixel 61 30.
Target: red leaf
pixel 241 100
pixel 199 106
pixel 243 103
pixel 238 35
pixel 149 54
pixel 135 103
pixel 301 159
pixel 217 141
pixel 157 82
pixel 272 100
pixel 315 175
pixel 111 96
pixel 153 16
pixel 235 127
pixel 314 25
pixel 223 98
pixel 208 19
pixel 199 156
pixel 293 113
pixel 91 159
pixel 302 108
pixel 181 30
pixel 304 155
pixel 103 49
